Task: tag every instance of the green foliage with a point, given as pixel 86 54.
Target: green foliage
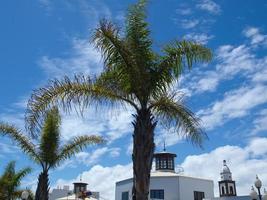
pixel 10 181
pixel 134 74
pixel 48 152
pixel 50 139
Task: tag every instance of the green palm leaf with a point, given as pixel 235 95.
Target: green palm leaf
pixel 24 142
pixel 172 112
pixel 50 137
pixel 76 145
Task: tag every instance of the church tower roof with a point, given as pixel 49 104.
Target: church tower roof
pixel 226 173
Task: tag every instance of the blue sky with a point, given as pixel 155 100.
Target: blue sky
pixel 45 39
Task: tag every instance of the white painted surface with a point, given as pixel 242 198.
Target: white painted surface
pixel 175 186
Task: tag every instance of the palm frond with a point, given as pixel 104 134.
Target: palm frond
pixel 81 91
pixel 107 40
pixel 50 137
pixel 76 145
pixel 138 35
pixel 172 113
pixel 20 175
pixel 181 54
pixel 23 141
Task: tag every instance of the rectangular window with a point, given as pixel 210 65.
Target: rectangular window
pixel 170 164
pixel 199 195
pixel 156 194
pixel 125 196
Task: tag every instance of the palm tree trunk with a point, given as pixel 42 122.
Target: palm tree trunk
pixel 143 150
pixel 43 186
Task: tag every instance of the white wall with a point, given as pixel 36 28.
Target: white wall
pixel 188 185
pixel 175 187
pixel 125 186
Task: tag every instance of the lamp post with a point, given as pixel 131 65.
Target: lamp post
pixel 24 195
pixel 258 185
pixel 254 195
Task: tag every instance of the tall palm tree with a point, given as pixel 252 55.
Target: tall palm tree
pixel 47 151
pixel 10 181
pixel 136 76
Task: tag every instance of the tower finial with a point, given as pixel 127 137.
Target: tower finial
pixel 164 146
pixel 81 178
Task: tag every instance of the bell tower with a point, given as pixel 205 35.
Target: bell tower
pixel 226 184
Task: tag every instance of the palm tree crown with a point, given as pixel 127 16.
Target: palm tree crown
pixel 46 150
pixel 10 181
pixel 134 75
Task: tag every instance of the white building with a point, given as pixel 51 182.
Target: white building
pixel 166 184
pixel 59 192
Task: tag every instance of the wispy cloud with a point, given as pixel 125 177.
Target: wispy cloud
pixel 235 104
pixel 89 159
pixel 209 6
pixel 189 23
pixel 260 122
pixel 184 11
pixel 201 38
pixel 83 58
pixel 255 36
pixel 230 61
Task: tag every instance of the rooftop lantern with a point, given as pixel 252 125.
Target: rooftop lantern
pixel 165 161
pixel 79 188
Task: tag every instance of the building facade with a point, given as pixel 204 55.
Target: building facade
pixel 166 184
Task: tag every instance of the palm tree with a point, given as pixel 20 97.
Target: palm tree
pixel 10 181
pixel 47 151
pixel 136 76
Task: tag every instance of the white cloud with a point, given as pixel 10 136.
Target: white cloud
pixel 184 11
pixel 102 179
pixel 255 36
pixel 113 123
pixel 235 104
pixel 168 136
pixel 260 123
pixel 244 162
pixel 83 59
pixel 201 38
pixel 230 61
pixel 210 6
pixel 91 158
pixel 189 23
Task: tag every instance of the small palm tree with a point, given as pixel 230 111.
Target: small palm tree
pixel 48 153
pixel 10 181
pixel 136 76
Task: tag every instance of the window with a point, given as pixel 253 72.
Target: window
pixel 156 194
pixel 199 195
pixel 170 163
pixel 231 190
pixel 223 192
pixel 125 196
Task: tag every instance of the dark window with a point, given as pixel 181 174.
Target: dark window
pixel 231 190
pixel 125 196
pixel 199 195
pixel 223 192
pixel 156 194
